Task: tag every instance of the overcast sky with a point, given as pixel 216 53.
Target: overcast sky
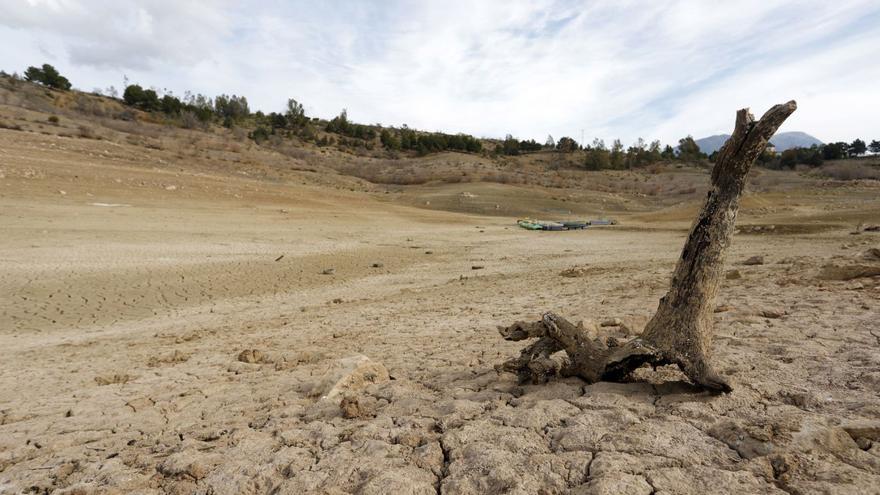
pixel 651 69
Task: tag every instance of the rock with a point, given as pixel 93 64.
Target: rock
pixel 872 254
pixel 171 188
pixel 349 375
pixel 772 313
pixel 328 271
pixel 871 228
pixel 754 260
pixel 477 267
pixel 354 407
pixel 733 275
pixel 723 308
pixel 251 356
pixel 611 322
pixel 377 265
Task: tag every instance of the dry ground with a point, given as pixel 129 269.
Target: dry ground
pixel 131 282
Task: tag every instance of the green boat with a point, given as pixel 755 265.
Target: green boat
pixel 529 224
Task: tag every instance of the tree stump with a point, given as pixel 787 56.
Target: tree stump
pixel 680 332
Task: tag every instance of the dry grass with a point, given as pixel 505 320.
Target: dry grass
pixel 849 170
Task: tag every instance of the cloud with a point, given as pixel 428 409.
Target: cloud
pixel 612 69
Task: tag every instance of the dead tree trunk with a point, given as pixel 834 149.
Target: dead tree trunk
pixel 681 330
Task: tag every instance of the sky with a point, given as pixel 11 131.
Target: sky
pixel 597 69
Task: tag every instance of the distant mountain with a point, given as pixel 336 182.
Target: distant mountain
pixel 782 141
pixel 788 140
pixel 711 144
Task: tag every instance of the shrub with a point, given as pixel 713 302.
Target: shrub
pixel 87 132
pixel 53 119
pixel 13 127
pixel 138 97
pixel 259 135
pixel 189 120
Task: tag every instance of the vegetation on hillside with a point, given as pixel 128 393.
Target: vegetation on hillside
pixel 275 128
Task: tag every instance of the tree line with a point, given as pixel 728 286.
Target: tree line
pixel 816 155
pixel 233 110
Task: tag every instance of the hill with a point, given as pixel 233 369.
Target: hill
pixel 782 141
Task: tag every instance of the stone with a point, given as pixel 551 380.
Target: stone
pixel 251 356
pixel 349 374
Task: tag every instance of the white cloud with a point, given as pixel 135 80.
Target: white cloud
pixel 613 69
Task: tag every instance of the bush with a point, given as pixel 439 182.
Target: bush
pixel 189 120
pixel 87 132
pixel 138 97
pixel 259 135
pixel 13 127
pixel 53 119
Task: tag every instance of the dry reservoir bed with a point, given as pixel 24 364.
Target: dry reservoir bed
pixel 160 347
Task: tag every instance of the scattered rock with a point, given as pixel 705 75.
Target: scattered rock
pixel 328 271
pixel 611 322
pixel 354 407
pixel 429 252
pixel 754 260
pixel 871 228
pixel 772 313
pixel 251 356
pixel 377 265
pixel 723 308
pixel 171 188
pixel 872 254
pixel 349 375
pixel 733 275
pixel 173 358
pixel 477 267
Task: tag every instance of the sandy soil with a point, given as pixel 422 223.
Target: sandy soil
pixel 166 331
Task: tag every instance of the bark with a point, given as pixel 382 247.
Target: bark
pixel 680 332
